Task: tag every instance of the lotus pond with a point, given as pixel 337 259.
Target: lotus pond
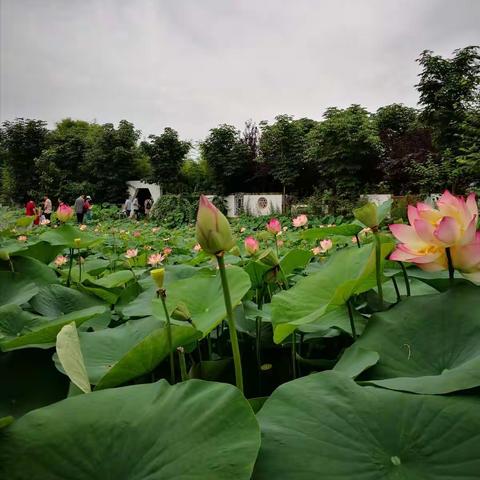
pixel 259 349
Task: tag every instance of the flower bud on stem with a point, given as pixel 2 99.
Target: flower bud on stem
pixel 237 361
pixel 162 294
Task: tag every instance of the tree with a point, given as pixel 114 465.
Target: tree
pixel 346 149
pixel 113 160
pixel 22 142
pixel 449 88
pixel 167 154
pixel 227 157
pixel 405 142
pixel 62 167
pixel 282 149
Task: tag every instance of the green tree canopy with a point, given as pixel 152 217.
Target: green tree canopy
pixel 167 154
pixel 22 141
pixel 345 148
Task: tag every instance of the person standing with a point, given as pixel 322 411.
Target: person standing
pixel 30 208
pixel 80 208
pixel 128 206
pixel 148 206
pixel 135 208
pixel 47 207
pixel 88 209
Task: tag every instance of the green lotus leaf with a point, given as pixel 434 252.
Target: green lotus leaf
pixel 203 296
pixel 194 430
pixel 427 344
pixel 67 235
pixel 348 272
pixel 43 333
pixel 326 426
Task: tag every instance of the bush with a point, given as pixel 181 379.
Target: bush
pixel 174 210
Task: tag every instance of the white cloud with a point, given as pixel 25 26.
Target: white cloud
pixel 193 64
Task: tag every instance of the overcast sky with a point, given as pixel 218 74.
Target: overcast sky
pixel 193 64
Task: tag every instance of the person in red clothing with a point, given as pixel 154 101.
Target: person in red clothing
pixel 30 208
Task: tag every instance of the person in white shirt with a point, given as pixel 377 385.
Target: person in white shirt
pixel 128 206
pixel 135 208
pixel 47 207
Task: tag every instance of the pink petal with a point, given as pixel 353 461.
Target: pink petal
pixel 448 200
pixel 412 213
pixel 425 231
pixel 406 234
pixel 448 231
pixel 401 256
pixel 426 212
pixel 472 204
pixel 470 233
pixel 466 258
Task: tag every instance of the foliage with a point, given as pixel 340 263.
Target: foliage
pixel 22 141
pixel 167 154
pixel 345 149
pixel 332 364
pixel 282 147
pixel 172 210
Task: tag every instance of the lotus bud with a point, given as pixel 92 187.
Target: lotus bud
pixel 274 226
pixel 77 242
pixel 251 245
pixel 367 214
pixel 269 258
pixel 158 275
pixel 181 313
pixel 212 229
pixel 64 213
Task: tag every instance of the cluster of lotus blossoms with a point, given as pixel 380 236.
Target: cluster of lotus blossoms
pixel 442 235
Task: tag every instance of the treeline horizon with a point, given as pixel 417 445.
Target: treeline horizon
pixel 350 151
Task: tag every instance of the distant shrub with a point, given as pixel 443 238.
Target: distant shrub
pixel 174 210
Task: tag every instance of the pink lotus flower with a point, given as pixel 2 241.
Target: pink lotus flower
pixel 136 233
pixel 22 238
pixel 467 260
pixel 155 259
pixel 60 260
pixel 300 221
pixel 167 251
pixel 83 227
pixel 64 213
pixel 274 226
pixel 131 253
pixel 197 247
pixel 251 245
pixel 432 230
pixel 326 245
pixel 212 228
pixel 317 250
pixel 45 221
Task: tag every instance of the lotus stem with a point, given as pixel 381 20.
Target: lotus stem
pixel 70 267
pixel 395 286
pixel 352 321
pixel 451 269
pixel 358 240
pixel 378 267
pixel 405 278
pixel 237 360
pixel 163 295
pixel 79 267
pixel 294 355
pixel 183 363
